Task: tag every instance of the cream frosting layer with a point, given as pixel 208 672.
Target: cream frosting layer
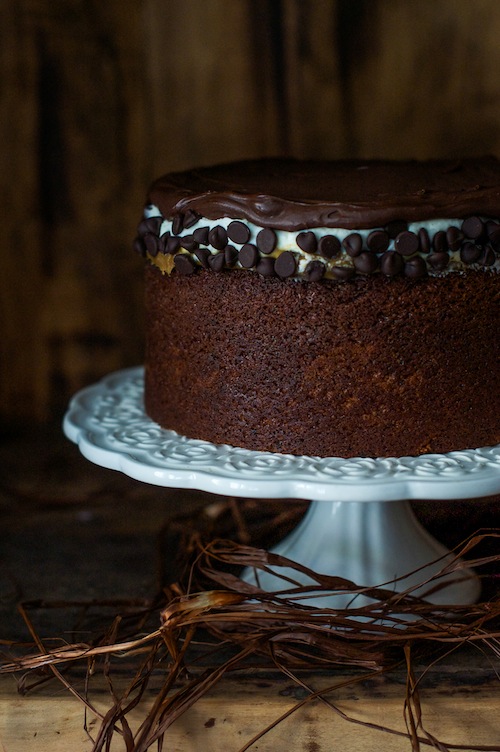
pixel 343 264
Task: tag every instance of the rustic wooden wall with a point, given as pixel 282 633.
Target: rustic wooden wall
pixel 99 97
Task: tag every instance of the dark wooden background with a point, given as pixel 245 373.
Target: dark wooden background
pixel 97 98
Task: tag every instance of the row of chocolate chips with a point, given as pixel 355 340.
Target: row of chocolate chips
pixel 486 237
pixel 285 265
pixel 478 242
pixel 390 263
pixel 218 237
pixel 237 231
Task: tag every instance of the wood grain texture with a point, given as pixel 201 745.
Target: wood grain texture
pixel 73 186
pixel 213 92
pixel 239 708
pixel 98 98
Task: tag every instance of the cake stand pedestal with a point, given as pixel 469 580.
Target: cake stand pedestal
pixel 359 526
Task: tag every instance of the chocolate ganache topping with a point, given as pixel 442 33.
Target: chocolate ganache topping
pixel 290 194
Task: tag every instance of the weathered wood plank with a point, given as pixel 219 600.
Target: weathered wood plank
pixel 237 709
pixel 211 88
pixel 393 79
pixel 73 199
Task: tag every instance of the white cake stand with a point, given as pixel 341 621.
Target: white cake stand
pixel 359 526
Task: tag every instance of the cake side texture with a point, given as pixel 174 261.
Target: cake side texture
pixel 372 367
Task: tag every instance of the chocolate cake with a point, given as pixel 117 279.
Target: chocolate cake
pixel 326 308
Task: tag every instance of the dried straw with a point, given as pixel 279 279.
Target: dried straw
pixel 210 623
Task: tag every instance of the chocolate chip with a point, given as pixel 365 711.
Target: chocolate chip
pixel 217 261
pixel 230 255
pixel 424 240
pixel 201 235
pixel 439 242
pixel 472 227
pixel 190 218
pixel 487 257
pixel 366 263
pixel 469 253
pixel 154 224
pixel 415 267
pixel 202 254
pixel 189 243
pixel 265 266
pixel 439 261
pixel 238 232
pixel 329 246
pixel 151 243
pixel 395 227
pixel 454 238
pixel 353 244
pixel 217 237
pixel 378 241
pixel 177 224
pixel 406 243
pixel 342 272
pixel 307 242
pixel 285 265
pixel 266 240
pixel 391 263
pixel 172 244
pixel 184 264
pixel 151 224
pixel 248 255
pixel 493 231
pixel 162 241
pixel 314 271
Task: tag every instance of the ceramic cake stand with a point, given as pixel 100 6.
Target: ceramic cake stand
pixel 360 524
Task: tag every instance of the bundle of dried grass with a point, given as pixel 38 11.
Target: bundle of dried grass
pixel 210 623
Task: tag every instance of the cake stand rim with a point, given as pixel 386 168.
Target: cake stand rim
pixel 258 474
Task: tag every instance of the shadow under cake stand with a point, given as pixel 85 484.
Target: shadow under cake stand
pixel 359 525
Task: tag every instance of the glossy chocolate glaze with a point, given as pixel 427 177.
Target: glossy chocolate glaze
pixel 289 194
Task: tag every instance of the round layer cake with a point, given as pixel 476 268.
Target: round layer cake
pixel 326 308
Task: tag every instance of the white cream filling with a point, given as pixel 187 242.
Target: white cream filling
pixel 287 240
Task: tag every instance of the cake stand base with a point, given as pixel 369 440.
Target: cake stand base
pixel 370 545
pixel 360 525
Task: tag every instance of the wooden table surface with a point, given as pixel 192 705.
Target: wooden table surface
pixel 72 531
